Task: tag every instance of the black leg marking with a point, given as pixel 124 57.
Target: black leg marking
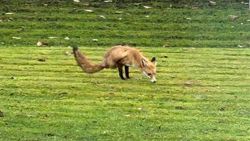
pixel 120 71
pixel 127 72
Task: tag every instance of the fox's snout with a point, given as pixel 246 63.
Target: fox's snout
pixel 153 79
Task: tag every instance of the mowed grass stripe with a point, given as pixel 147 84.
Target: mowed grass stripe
pixel 171 71
pixel 126 102
pixel 162 36
pixel 178 79
pixel 211 63
pixel 54 76
pixel 169 74
pixel 54 51
pixel 193 31
pixel 159 15
pixel 149 109
pixel 171 27
pixel 97 53
pixel 190 81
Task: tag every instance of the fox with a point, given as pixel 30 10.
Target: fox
pixel 121 57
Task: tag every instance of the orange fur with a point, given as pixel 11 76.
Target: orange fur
pixel 117 57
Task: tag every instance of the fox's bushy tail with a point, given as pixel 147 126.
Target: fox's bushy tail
pixel 84 63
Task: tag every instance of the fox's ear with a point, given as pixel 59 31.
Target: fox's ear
pixel 153 60
pixel 144 62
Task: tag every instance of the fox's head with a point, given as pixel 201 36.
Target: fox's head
pixel 149 69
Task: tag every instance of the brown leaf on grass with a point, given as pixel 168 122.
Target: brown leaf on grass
pixel 222 108
pixel 52 37
pixel 66 38
pixel 12 77
pixel 9 13
pixel 108 1
pixel 180 108
pixel 17 38
pixel 43 59
pixel 42 44
pixel 102 16
pixel 212 3
pixel 147 7
pixel 233 17
pixel 190 83
pixel 95 40
pixel 118 12
pixel 88 10
pixel 240 46
pixel 1 114
pixel 67 53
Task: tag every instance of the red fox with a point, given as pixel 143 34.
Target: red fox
pixel 119 57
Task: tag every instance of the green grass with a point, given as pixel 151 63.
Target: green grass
pixel 203 73
pixel 161 25
pixel 201 94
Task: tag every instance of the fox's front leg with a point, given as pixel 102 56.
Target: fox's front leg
pixel 127 72
pixel 119 66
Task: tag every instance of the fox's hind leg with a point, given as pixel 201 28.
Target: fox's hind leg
pixel 127 72
pixel 120 66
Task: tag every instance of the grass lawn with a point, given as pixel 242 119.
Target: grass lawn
pixel 203 86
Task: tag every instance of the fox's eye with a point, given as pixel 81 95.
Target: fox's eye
pixel 149 74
